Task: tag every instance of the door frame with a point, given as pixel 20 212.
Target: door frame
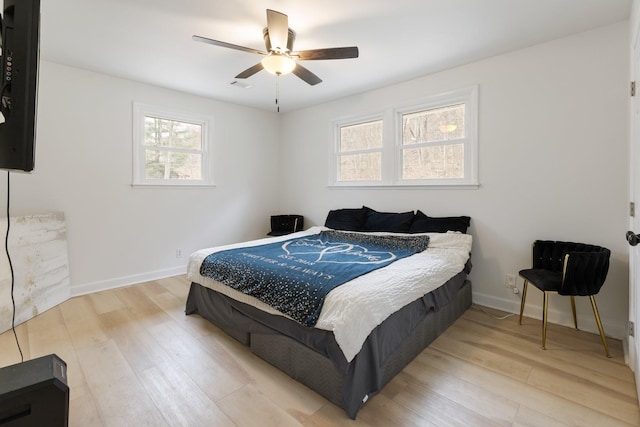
pixel 634 194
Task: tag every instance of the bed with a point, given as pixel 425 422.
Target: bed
pixel 369 328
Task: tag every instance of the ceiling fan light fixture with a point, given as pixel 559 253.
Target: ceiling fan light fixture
pixel 278 64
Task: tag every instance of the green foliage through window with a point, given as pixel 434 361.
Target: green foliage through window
pixel 171 148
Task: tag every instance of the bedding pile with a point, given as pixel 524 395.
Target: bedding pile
pixel 351 311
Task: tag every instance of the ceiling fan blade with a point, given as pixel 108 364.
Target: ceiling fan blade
pixel 329 53
pixel 250 71
pixel 278 27
pixel 227 45
pixel 306 75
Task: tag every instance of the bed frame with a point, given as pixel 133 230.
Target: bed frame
pixel 312 356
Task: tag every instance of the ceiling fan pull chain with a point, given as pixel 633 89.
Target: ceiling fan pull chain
pixel 277 92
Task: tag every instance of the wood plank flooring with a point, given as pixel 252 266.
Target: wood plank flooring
pixel 134 358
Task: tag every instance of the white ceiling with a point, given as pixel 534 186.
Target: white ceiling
pixel 150 40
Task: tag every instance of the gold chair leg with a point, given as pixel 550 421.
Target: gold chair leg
pixel 545 308
pixel 573 310
pixel 599 323
pixel 524 297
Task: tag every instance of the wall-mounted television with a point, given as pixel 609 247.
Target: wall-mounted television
pixel 19 84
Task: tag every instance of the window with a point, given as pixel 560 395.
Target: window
pixel 435 144
pixel 170 148
pixel 360 151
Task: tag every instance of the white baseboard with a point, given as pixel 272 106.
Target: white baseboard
pixel 119 282
pixel 586 321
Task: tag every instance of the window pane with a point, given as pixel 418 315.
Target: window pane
pixel 361 136
pixel 438 124
pixel 162 164
pixel 360 167
pixel 170 133
pixel 438 162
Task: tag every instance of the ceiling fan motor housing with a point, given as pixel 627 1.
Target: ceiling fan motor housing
pixel 291 37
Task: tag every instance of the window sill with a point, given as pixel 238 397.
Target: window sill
pixel 172 186
pixel 405 187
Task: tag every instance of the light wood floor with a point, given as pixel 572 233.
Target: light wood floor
pixel 135 359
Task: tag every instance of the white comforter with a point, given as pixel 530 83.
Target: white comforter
pixel 353 310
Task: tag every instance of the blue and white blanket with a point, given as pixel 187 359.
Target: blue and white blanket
pixel 294 276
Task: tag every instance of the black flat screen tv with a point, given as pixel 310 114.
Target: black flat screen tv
pixel 19 85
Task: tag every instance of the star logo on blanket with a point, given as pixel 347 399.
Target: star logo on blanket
pixel 320 251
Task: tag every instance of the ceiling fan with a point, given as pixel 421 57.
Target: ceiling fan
pixel 280 58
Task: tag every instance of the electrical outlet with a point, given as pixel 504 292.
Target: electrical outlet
pixel 510 281
pixel 178 253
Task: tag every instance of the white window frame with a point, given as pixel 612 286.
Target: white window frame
pixel 335 152
pixel 140 111
pixel 468 97
pixel 392 142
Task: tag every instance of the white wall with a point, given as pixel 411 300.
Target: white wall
pixel 553 132
pixel 120 235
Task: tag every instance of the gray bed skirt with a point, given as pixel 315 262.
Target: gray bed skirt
pixel 312 356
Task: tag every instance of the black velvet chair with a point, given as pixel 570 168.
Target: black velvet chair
pixel 285 224
pixel 566 268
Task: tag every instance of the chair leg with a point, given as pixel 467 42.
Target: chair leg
pixel 573 310
pixel 524 297
pixel 599 323
pixel 545 308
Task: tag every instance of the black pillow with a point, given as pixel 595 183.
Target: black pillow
pixel 426 224
pixel 387 221
pixel 345 219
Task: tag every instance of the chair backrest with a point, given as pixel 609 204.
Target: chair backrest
pixel 584 271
